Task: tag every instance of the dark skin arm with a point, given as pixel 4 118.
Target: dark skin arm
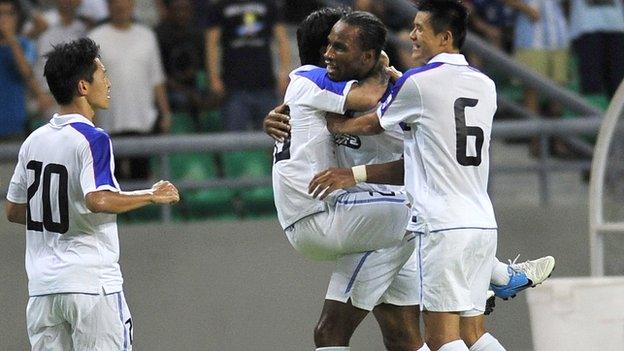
pixel 332 179
pixel 276 123
pixel 367 124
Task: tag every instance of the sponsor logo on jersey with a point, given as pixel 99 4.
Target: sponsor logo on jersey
pixel 348 140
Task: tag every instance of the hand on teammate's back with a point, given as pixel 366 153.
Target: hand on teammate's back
pixel 276 124
pixel 329 180
pixel 165 193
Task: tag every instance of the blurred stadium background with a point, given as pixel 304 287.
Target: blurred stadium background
pixel 215 272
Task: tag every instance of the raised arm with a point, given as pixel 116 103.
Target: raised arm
pixel 365 95
pixel 107 201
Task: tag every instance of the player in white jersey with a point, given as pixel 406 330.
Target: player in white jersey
pixel 446 110
pixel 64 191
pixel 314 227
pixel 384 280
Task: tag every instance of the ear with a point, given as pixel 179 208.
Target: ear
pixel 83 87
pixel 369 56
pixel 447 39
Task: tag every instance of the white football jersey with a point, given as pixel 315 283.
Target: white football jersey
pixel 68 248
pixel 446 110
pixel 310 148
pixel 354 150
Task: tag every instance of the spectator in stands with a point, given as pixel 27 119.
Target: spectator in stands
pixel 90 12
pixel 134 67
pixel 182 49
pixel 493 20
pixel 597 30
pixel 67 28
pixel 541 43
pixel 398 44
pixel 17 55
pixel 239 35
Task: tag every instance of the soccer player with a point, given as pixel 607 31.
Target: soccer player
pixel 384 279
pixel 65 193
pixel 446 177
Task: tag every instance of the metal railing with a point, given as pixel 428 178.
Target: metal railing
pixel 164 146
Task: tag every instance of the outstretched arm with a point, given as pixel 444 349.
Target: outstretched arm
pixel 107 201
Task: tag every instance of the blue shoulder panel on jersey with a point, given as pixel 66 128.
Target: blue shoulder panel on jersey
pixel 399 83
pixel 319 77
pixel 99 143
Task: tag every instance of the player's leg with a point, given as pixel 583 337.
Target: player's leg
pixel 442 331
pixel 476 337
pixel 359 222
pixel 400 327
pixel 47 330
pixel 337 324
pixel 100 322
pixel 365 221
pixel 456 267
pixel 510 279
pixel 398 310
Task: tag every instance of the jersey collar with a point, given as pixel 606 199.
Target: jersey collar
pixel 61 120
pixel 453 59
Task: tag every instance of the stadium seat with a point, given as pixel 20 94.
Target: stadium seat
pixel 255 201
pixel 200 203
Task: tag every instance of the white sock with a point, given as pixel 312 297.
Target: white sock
pixel 487 343
pixel 500 274
pixel 424 348
pixel 457 345
pixel 333 348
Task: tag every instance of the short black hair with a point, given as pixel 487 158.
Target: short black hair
pixel 67 64
pixel 313 31
pixel 449 15
pixel 372 32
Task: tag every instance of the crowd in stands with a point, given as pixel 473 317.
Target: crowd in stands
pixel 224 63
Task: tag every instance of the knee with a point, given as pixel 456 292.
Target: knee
pixel 406 339
pixel 470 334
pixel 330 333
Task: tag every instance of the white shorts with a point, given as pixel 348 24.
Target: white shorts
pixel 456 268
pixel 359 222
pixel 79 322
pixel 383 276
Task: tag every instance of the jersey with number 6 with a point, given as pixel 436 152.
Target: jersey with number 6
pixel 310 148
pixel 69 249
pixel 445 109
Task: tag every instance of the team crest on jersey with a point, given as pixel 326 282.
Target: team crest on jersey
pixel 348 140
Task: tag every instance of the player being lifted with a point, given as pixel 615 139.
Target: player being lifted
pixel 64 191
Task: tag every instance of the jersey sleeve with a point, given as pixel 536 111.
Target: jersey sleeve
pixel 403 105
pixel 318 91
pixel 97 164
pixel 17 192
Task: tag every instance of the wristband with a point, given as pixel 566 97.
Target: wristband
pixel 359 173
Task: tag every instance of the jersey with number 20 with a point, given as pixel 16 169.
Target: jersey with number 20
pixel 69 249
pixel 446 110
